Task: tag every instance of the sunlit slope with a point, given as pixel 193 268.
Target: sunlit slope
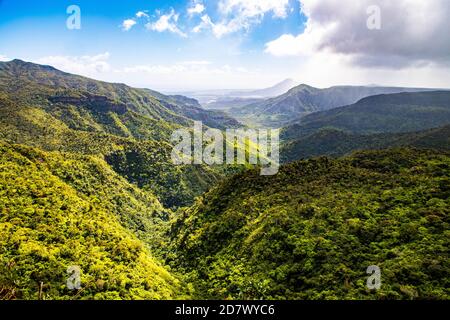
pixel 312 231
pixel 59 211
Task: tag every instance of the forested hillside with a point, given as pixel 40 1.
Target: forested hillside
pixel 130 128
pixel 303 100
pixel 87 180
pixel 333 142
pixel 393 113
pixel 311 231
pixel 61 210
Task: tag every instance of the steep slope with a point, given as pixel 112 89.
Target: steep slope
pixel 192 109
pixel 55 111
pixel 32 82
pixel 392 113
pixel 312 231
pixel 59 211
pixel 332 142
pixel 146 163
pixel 304 99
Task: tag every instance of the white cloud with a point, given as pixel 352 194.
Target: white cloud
pixel 141 14
pixel 185 67
pixel 205 24
pixel 128 24
pixel 196 63
pixel 254 8
pixel 155 69
pixel 197 7
pixel 188 75
pixel 221 29
pixel 4 58
pixel 240 15
pixel 413 32
pixel 167 22
pixel 82 65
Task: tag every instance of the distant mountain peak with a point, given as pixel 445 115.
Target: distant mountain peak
pixel 304 99
pixel 276 90
pixel 304 86
pixel 288 81
pixel 18 63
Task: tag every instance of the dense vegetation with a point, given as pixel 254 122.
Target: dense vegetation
pixel 311 231
pixel 303 100
pixel 54 111
pixel 392 113
pixel 333 142
pixel 59 211
pixel 86 180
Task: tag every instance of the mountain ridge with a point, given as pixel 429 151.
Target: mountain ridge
pixel 56 111
pixel 394 113
pixel 304 99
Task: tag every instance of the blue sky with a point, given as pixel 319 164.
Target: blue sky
pixel 206 44
pixel 34 30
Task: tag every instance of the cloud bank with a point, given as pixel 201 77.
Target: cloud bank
pixel 413 32
pixel 239 15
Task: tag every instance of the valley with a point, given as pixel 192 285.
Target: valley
pixel 87 179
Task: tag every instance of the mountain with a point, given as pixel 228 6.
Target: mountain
pixel 335 143
pixel 127 127
pixel 192 109
pixel 387 113
pixel 24 77
pixel 276 90
pixel 60 210
pixel 303 100
pixel 87 181
pixel 312 231
pixel 227 99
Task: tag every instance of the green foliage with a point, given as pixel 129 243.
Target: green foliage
pixel 303 100
pixel 311 231
pixel 332 142
pixel 176 186
pixel 54 111
pixel 60 210
pixel 390 113
pixel 86 179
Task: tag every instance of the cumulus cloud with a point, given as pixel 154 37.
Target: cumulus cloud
pixel 254 8
pixel 238 15
pixel 166 22
pixel 83 65
pixel 413 32
pixel 128 24
pixel 141 14
pixel 197 7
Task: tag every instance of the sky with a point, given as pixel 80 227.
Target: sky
pixel 185 45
